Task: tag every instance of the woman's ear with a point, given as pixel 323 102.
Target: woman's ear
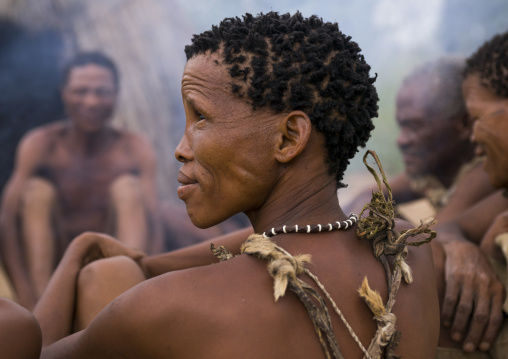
pixel 293 135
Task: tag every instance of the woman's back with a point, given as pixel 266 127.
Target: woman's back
pixel 249 323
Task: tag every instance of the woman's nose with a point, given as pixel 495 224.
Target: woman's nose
pixel 183 151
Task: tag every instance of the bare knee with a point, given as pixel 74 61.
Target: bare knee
pixel 125 190
pixel 38 191
pixel 100 282
pixel 109 272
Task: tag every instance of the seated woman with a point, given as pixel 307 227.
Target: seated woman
pixel 276 105
pixel 20 334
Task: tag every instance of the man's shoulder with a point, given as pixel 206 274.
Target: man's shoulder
pixel 36 143
pixel 135 140
pixel 128 135
pixel 45 133
pixel 137 145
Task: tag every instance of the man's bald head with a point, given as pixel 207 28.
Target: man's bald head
pixel 433 121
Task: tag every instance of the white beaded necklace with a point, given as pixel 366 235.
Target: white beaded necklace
pixel 313 228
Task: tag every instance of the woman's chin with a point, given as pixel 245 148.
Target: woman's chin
pixel 202 221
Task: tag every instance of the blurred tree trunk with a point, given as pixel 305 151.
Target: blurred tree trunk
pixel 146 39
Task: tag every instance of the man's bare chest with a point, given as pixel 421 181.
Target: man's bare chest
pixel 84 181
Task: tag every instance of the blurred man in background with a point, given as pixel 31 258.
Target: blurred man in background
pixel 76 175
pixel 434 141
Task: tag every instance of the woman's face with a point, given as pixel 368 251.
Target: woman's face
pixel 489 112
pixel 226 148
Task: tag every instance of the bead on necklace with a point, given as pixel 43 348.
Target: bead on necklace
pixel 313 228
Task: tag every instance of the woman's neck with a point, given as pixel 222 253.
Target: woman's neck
pixel 307 203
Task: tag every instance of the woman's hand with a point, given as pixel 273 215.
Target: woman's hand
pixel 91 246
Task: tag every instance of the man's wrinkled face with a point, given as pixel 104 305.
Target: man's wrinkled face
pixel 89 96
pixel 489 112
pixel 426 139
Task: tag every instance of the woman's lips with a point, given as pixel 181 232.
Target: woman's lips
pixel 187 184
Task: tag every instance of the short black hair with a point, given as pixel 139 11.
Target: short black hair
pixel 288 62
pixel 490 61
pixel 89 57
pixel 443 83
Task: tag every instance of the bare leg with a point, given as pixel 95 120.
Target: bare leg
pixel 100 282
pixel 130 213
pixel 37 212
pixel 20 334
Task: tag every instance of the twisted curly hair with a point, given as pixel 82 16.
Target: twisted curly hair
pixel 491 62
pixel 288 62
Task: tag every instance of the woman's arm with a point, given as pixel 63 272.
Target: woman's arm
pixel 194 256
pixel 473 188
